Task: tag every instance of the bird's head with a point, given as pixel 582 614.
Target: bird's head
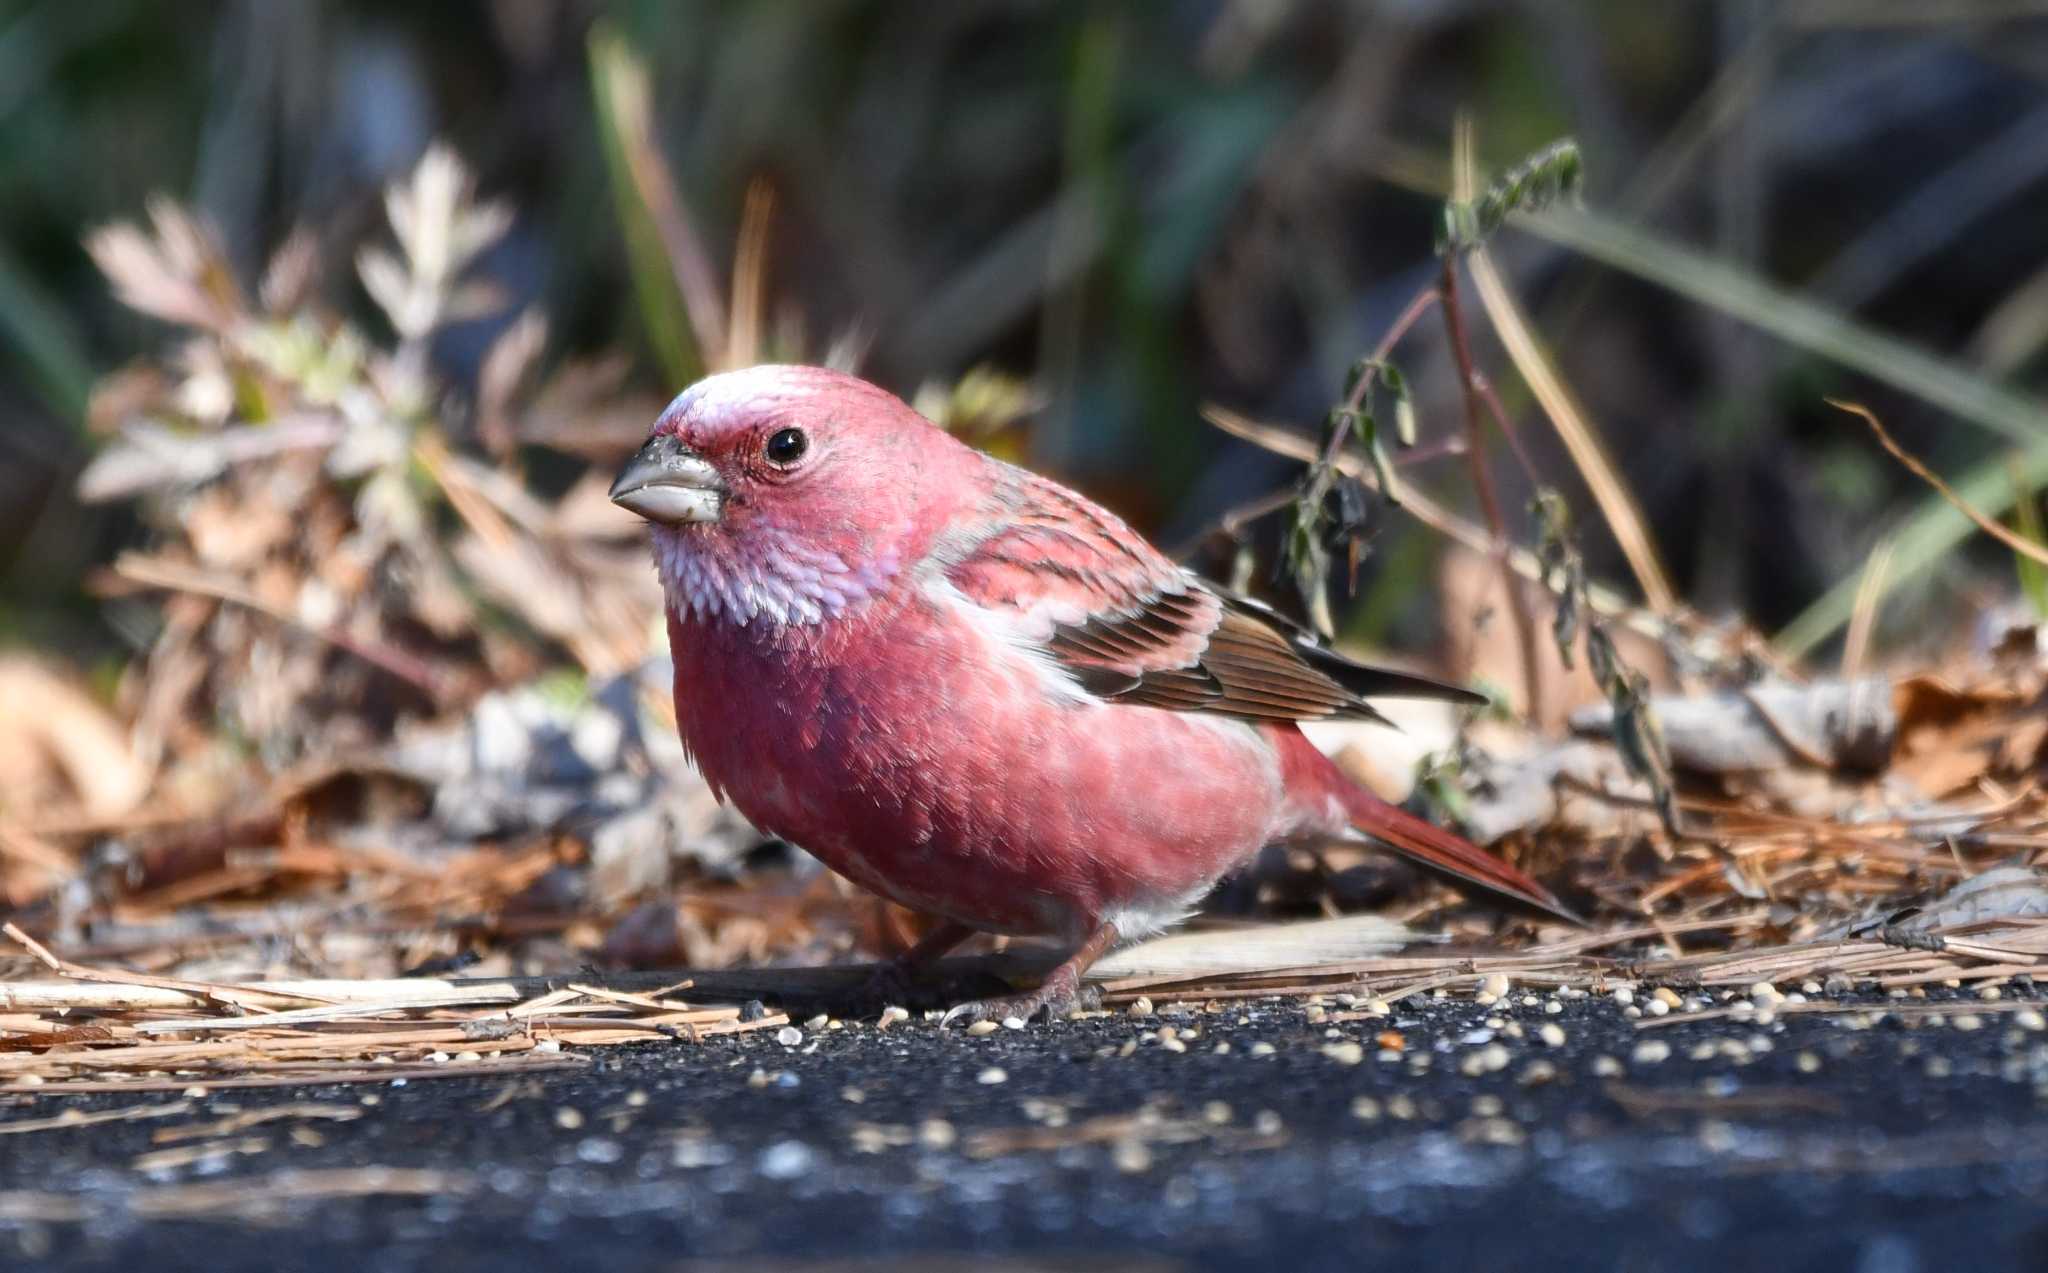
pixel 785 495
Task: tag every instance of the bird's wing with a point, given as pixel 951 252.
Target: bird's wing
pixel 1132 627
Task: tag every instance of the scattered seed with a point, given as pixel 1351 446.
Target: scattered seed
pixel 1807 1062
pixel 789 1036
pixel 1536 1072
pixel 1141 1007
pixel 891 1015
pixel 983 1027
pixel 2029 1019
pixel 1216 1113
pixel 1968 1021
pixel 1366 1108
pixel 1495 985
pixel 1345 1053
pixel 1656 1007
pixel 1130 1156
pixel 852 1095
pixel 991 1076
pixel 1623 995
pixel 568 1118
pixel 818 1022
pixel 1650 1052
pixel 1606 1067
pixel 1668 997
pixel 936 1133
pixel 1262 1048
pixel 1552 1034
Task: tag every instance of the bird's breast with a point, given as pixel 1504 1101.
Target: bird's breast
pixel 933 761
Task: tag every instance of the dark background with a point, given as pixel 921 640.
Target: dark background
pixel 1138 206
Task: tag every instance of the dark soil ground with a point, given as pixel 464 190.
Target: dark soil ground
pixel 1808 1142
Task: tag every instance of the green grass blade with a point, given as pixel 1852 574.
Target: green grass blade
pixel 618 81
pixel 1798 321
pixel 1933 531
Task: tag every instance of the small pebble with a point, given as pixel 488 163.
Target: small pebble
pixel 1650 1052
pixel 1130 1156
pixel 1623 995
pixel 1656 1007
pixel 818 1023
pixel 789 1036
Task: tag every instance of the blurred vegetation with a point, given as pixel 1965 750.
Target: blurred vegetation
pixel 1140 207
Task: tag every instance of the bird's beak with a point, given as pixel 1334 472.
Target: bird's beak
pixel 666 481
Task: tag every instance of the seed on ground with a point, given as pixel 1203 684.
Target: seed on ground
pixel 991 1076
pixel 1141 1007
pixel 1494 984
pixel 1552 1034
pixel 981 1028
pixel 2029 1019
pixel 789 1036
pixel 1656 1007
pixel 891 1015
pixel 1345 1053
pixel 1808 1062
pixel 1650 1052
pixel 936 1133
pixel 1262 1048
pixel 1668 997
pixel 1365 1107
pixel 1606 1067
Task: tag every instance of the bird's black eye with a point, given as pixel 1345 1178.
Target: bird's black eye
pixel 786 447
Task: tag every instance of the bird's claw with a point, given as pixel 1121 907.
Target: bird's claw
pixel 1055 999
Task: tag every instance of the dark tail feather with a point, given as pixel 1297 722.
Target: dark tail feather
pixel 1463 863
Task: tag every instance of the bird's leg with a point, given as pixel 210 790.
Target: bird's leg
pixel 896 980
pixel 1060 993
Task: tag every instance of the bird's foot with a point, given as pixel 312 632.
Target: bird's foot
pixel 1061 994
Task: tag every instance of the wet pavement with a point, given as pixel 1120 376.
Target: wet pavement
pixel 1253 1137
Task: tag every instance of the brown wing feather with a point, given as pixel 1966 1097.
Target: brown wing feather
pixel 1132 627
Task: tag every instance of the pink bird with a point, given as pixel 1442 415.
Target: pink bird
pixel 972 691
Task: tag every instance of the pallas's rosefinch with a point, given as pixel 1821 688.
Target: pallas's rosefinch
pixel 972 691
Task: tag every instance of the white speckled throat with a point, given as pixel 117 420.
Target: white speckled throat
pixel 773 577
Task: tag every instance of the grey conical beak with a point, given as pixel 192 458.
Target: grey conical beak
pixel 667 482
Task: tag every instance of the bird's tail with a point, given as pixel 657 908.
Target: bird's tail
pixel 1464 864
